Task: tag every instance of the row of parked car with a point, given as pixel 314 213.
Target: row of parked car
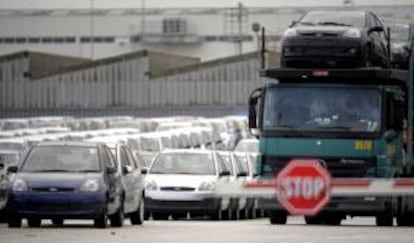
pixel 102 177
pixel 346 39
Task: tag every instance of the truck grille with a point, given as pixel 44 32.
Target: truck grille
pixel 338 167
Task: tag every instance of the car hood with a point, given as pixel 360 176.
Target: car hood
pixel 322 29
pixel 195 181
pixel 58 180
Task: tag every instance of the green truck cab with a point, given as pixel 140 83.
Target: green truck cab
pixel 351 120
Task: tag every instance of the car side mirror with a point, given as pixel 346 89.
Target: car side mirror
pixel 224 173
pixel 376 29
pixel 144 171
pixel 111 170
pixel 12 169
pixel 294 22
pixel 127 169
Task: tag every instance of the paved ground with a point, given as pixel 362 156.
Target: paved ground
pixel 352 231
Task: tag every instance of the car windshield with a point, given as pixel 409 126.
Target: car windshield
pixel 9 158
pixel 323 109
pixel 356 19
pixel 183 163
pixel 62 159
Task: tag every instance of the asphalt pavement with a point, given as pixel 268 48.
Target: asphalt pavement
pixel 351 231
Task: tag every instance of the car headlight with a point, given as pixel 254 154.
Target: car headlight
pixel 19 185
pixel 207 186
pixel 151 186
pixel 290 32
pixel 352 33
pixel 90 185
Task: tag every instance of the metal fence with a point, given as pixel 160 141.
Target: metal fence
pixel 140 94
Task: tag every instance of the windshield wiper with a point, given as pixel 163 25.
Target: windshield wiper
pixel 345 128
pixel 289 127
pixel 333 23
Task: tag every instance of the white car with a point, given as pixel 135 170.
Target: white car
pixel 183 181
pixel 248 145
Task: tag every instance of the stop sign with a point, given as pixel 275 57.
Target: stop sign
pixel 303 186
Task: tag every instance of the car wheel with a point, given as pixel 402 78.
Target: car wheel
pixel 177 216
pixel 34 222
pixel 15 221
pixel 278 217
pixel 217 215
pixel 146 215
pixel 117 219
pixel 160 216
pixel 57 222
pixel 102 220
pixel 137 217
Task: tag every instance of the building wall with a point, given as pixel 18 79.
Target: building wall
pixel 208 29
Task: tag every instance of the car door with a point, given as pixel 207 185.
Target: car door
pixel 138 163
pixel 112 180
pixel 128 180
pixel 382 42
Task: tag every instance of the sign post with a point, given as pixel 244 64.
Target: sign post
pixel 303 186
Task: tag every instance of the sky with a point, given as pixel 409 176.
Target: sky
pixel 29 4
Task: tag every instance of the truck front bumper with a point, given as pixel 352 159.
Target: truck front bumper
pixel 352 206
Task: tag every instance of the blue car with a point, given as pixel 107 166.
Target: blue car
pixel 62 180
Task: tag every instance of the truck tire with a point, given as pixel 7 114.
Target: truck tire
pixel 313 220
pixel 57 222
pixel 384 219
pixel 34 222
pixel 117 219
pixel 277 217
pixel 15 221
pixel 137 217
pixel 102 220
pixel 160 216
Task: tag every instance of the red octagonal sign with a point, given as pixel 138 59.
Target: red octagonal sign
pixel 303 186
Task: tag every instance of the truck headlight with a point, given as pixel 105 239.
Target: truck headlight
pixel 352 33
pixel 207 186
pixel 90 185
pixel 151 186
pixel 19 185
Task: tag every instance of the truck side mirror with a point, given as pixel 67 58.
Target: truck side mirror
pixel 252 112
pixel 375 29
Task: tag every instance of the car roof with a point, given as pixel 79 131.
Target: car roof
pixel 68 143
pixel 186 151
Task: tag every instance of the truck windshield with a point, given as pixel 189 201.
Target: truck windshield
pixel 322 109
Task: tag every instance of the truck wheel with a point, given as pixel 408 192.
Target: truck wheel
pixel 278 217
pixel 385 219
pixel 313 220
pixel 177 216
pixel 332 220
pixel 218 215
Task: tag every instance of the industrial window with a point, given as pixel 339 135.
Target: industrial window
pixel 34 40
pixel 174 26
pixel 108 39
pixel 58 40
pixel 9 40
pixel 70 39
pixel 20 40
pixel 46 40
pixel 85 39
pixel 210 38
